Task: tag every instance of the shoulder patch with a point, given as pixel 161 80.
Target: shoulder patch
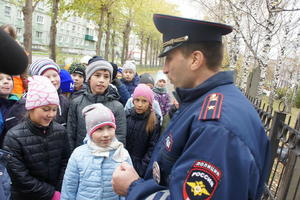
pixel 202 181
pixel 211 107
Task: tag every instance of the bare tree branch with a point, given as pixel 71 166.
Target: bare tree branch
pixel 35 4
pixel 248 13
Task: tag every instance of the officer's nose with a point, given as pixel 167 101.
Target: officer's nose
pixel 166 68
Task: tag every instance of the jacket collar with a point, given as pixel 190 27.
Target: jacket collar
pixel 221 78
pixel 37 129
pixel 109 95
pixel 136 115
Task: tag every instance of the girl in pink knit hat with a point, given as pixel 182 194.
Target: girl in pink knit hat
pixel 39 145
pixel 143 128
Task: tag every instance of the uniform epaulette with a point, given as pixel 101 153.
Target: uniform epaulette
pixel 211 107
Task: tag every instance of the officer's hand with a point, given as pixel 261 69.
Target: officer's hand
pixel 122 177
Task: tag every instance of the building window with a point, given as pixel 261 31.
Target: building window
pixel 20 14
pixel 19 31
pixel 40 19
pixel 73 28
pixel 39 34
pixel 7 11
pixel 41 5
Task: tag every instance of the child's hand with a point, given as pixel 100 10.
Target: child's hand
pixel 122 177
pixel 56 196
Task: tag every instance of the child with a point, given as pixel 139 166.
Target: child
pixel 143 128
pixel 124 94
pixel 130 78
pixel 77 71
pixel 66 83
pixel 41 67
pixel 99 75
pixel 119 73
pixel 148 80
pixel 7 100
pixel 39 146
pixel 90 167
pixel 161 94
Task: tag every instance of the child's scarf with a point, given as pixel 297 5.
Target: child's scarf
pixel 120 154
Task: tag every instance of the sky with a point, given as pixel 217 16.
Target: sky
pixel 188 8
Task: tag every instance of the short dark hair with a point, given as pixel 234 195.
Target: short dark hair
pixel 212 51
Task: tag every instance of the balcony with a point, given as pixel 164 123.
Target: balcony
pixel 89 38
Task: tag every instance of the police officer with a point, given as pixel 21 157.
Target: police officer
pixel 215 146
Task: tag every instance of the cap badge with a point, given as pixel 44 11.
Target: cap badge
pixel 176 40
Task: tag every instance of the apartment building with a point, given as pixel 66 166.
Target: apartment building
pixel 75 35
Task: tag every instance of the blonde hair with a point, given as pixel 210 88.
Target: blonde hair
pixel 151 122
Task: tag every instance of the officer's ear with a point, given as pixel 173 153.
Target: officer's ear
pixel 198 60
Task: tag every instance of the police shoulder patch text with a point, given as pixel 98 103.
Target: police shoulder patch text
pixel 202 181
pixel 211 107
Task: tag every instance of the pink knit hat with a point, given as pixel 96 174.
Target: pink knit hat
pixel 41 92
pixel 145 91
pixel 96 116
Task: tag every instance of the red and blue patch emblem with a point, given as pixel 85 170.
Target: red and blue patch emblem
pixel 202 181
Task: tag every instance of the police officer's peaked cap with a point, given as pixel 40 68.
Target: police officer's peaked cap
pixel 177 31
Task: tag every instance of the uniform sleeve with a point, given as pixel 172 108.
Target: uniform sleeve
pixel 120 123
pixel 71 180
pixel 213 164
pixel 72 125
pixel 20 175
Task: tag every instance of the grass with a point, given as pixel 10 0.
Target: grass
pixel 151 70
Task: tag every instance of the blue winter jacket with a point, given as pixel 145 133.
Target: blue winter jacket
pixel 88 177
pixel 4 177
pixel 131 85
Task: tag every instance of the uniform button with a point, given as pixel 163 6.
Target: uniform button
pixel 1 173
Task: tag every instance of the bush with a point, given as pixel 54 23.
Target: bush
pixel 280 93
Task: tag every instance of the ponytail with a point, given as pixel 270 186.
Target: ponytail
pixel 151 122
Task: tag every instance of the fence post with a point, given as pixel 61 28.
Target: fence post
pixel 278 118
pixel 288 188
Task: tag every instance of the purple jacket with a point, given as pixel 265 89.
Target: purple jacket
pixel 163 98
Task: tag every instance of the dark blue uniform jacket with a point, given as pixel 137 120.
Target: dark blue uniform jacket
pixel 215 147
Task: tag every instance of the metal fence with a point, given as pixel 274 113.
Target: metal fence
pixel 284 174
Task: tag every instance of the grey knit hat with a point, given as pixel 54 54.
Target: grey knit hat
pixel 129 65
pixel 146 78
pixel 98 65
pixel 96 116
